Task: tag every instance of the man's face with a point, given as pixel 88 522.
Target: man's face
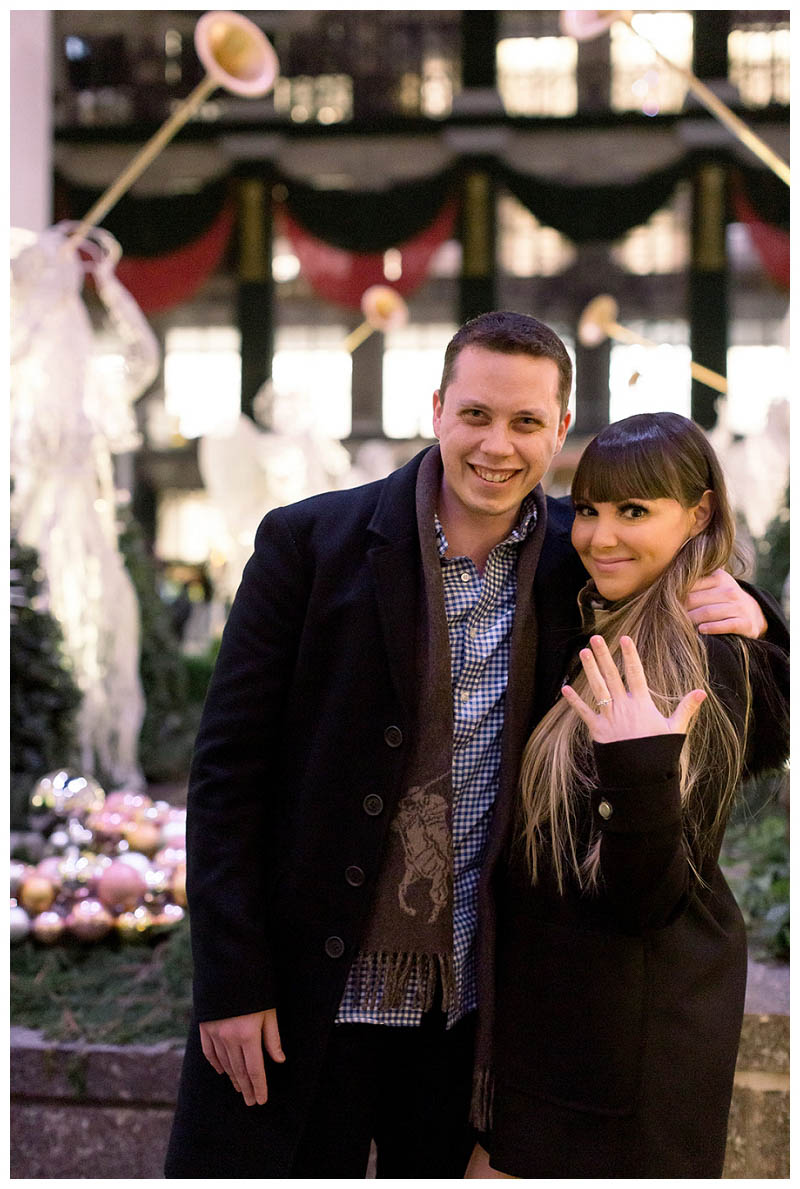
pixel 499 428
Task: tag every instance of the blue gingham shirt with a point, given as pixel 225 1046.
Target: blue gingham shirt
pixel 480 614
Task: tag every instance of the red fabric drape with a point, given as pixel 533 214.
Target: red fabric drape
pixel 160 282
pixel 342 277
pixel 770 242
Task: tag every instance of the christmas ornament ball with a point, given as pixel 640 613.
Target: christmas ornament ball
pixel 133 925
pixel 121 887
pixel 66 794
pixel 20 923
pixel 173 833
pixel 134 859
pixel 19 871
pixel 179 885
pixel 47 927
pixel 142 836
pixel 50 868
pixel 170 914
pixel 128 802
pixel 36 894
pixel 89 920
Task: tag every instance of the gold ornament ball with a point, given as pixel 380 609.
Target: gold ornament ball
pixel 170 914
pixel 142 836
pixel 89 920
pixel 133 925
pixel 179 885
pixel 36 894
pixel 120 887
pixel 47 927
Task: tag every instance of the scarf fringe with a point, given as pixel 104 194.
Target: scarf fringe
pixel 382 979
pixel 480 1113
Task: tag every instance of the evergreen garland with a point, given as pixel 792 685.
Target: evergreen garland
pixel 44 697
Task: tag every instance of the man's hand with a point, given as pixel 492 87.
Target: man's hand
pixel 234 1046
pixel 718 606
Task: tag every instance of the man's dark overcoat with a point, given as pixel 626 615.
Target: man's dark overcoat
pixel 298 767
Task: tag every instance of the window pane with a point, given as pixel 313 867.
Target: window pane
pixel 640 80
pixel 537 76
pixel 202 378
pixel 412 369
pixel 662 380
pixel 758 376
pixel 525 247
pixel 312 376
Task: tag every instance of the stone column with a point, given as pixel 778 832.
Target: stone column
pixel 708 286
pixel 255 297
pixel 31 136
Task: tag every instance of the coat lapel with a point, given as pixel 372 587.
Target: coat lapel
pixel 395 563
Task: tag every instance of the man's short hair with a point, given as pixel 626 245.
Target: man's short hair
pixel 510 333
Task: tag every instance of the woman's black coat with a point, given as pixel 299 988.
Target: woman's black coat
pixel 619 1013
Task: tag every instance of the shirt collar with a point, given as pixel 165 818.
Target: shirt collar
pixel 526 521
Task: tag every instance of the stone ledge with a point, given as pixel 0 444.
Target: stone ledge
pixel 105 1111
pixel 143 1074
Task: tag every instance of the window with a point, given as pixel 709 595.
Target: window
pixel 758 376
pixel 758 64
pixel 412 369
pixel 202 378
pixel 651 379
pixel 640 80
pixel 526 248
pixel 662 244
pixel 537 76
pixel 324 98
pixel 312 373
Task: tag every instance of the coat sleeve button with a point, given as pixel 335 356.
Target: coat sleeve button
pixel 354 876
pixel 373 804
pixel 605 810
pixel 334 947
pixel 393 736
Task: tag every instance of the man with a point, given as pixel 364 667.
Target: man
pixel 386 656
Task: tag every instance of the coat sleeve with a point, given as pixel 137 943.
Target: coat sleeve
pixel 636 805
pixel 234 786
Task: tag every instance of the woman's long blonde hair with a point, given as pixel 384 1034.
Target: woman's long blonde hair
pixel 648 456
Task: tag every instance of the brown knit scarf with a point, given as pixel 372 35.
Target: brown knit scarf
pixel 409 936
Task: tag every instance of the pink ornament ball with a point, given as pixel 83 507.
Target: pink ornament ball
pixel 120 887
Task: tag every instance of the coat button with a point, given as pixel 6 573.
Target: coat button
pixel 605 810
pixel 354 876
pixel 373 804
pixel 393 736
pixel 334 947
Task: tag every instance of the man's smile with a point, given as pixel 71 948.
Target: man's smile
pixel 492 476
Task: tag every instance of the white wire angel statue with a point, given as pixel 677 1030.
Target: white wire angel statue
pixel 70 413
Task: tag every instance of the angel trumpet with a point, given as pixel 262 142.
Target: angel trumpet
pixel 599 322
pixel 383 308
pixel 237 56
pixel 583 25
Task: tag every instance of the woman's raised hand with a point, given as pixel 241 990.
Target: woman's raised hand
pixel 620 712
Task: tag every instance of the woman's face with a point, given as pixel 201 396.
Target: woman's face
pixel 626 545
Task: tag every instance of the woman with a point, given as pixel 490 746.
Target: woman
pixel 622 956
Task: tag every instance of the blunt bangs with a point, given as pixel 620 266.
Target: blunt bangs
pixel 647 456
